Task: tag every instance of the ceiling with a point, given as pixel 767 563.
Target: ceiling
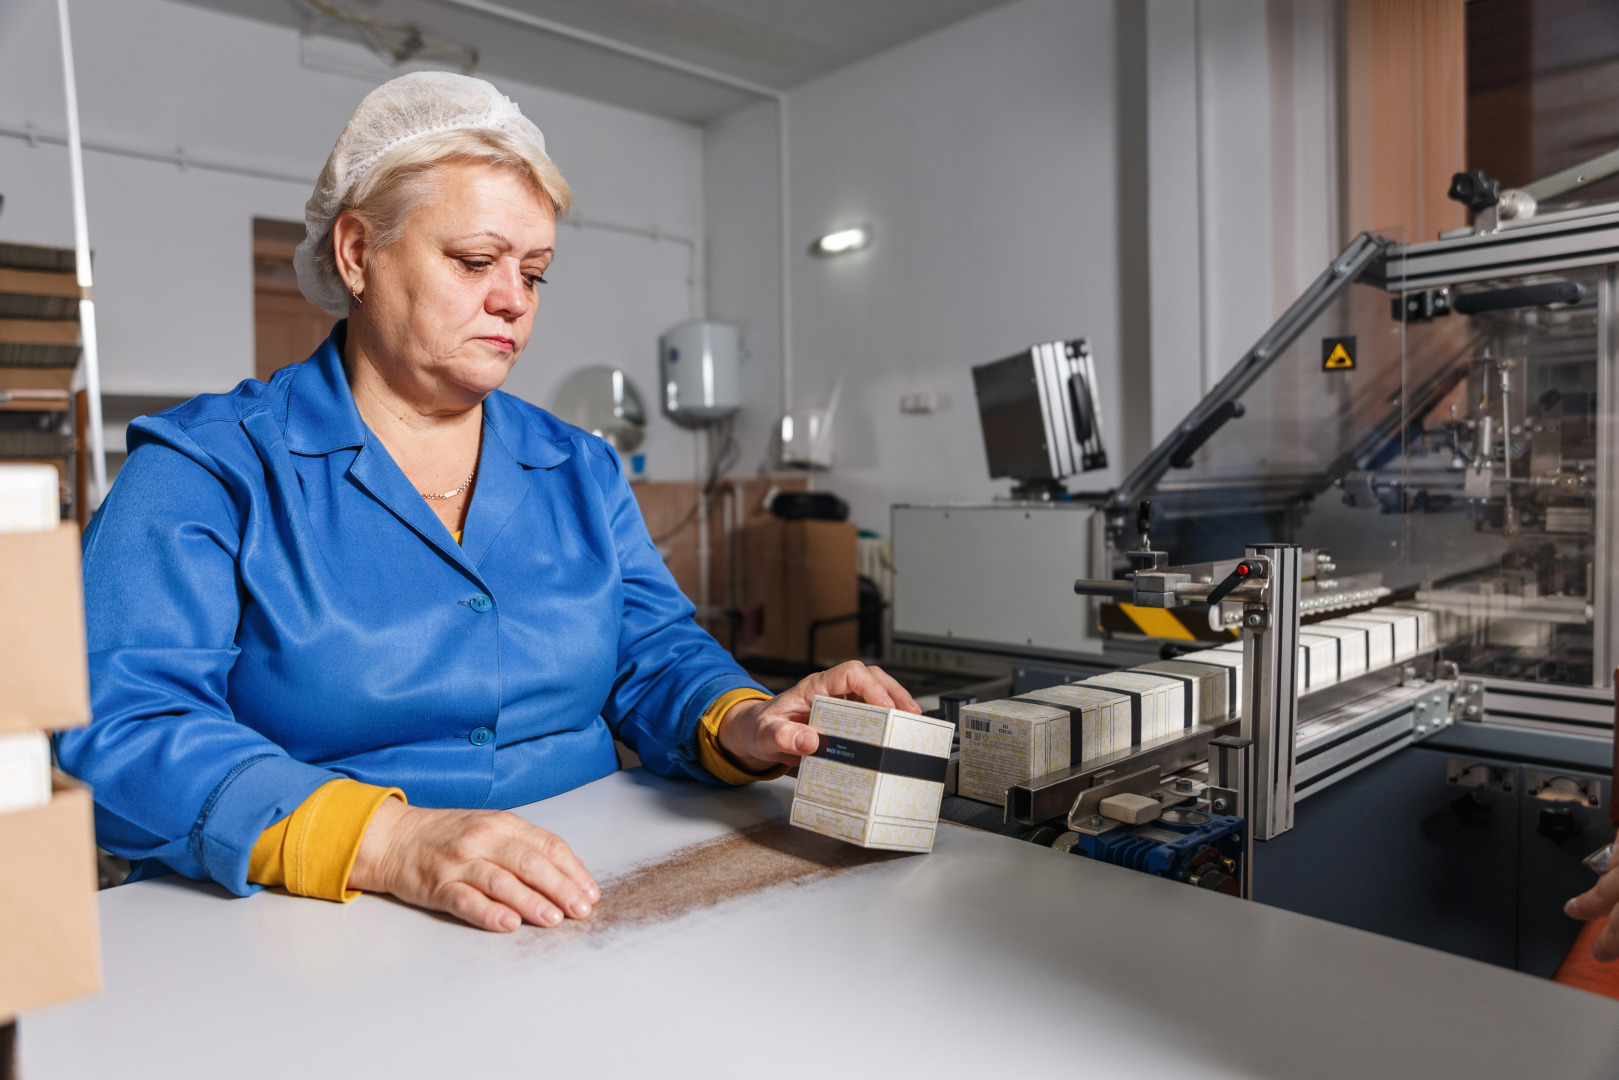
pixel 778 44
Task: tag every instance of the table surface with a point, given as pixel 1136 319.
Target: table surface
pixel 987 955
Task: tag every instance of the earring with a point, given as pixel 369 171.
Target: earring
pixel 356 298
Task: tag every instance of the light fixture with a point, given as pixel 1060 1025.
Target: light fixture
pixel 842 241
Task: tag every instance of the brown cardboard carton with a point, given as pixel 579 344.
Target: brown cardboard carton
pixel 50 942
pixel 43 668
pixel 798 573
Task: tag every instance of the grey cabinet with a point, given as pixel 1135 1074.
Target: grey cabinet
pixel 1449 848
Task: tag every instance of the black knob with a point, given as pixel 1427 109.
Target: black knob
pixel 1471 811
pixel 1474 190
pixel 1558 824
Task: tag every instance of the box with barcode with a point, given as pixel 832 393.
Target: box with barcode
pixel 1158 702
pixel 876 779
pixel 1008 742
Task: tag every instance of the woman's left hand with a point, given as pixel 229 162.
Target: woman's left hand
pixel 759 735
pixel 1595 903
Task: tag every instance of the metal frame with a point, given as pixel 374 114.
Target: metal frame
pixel 1270 710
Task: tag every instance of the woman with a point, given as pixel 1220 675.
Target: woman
pixel 335 616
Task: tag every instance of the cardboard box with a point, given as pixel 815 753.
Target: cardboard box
pixel 1379 638
pixel 1405 625
pixel 50 942
pixel 800 572
pixel 1099 720
pixel 43 666
pixel 1157 702
pixel 1318 659
pixel 877 778
pixel 1007 742
pixel 1351 647
pixel 1214 690
pixel 1230 659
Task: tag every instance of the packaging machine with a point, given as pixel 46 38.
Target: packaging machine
pixel 1428 430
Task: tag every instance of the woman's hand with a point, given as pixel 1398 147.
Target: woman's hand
pixel 1594 904
pixel 486 867
pixel 759 735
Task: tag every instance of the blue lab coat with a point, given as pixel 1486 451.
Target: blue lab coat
pixel 271 605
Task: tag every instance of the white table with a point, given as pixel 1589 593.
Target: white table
pixel 987 957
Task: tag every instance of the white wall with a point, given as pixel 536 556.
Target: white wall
pixel 982 158
pixel 1242 166
pixel 173 248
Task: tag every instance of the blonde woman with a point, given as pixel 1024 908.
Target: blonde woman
pixel 340 620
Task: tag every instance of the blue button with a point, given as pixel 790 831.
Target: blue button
pixel 480 603
pixel 481 736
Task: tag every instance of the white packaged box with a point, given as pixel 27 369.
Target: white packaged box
pixel 1210 695
pixel 1008 742
pixel 1351 647
pixel 1318 660
pixel 1158 702
pixel 1379 638
pixel 877 778
pixel 25 770
pixel 1102 718
pixel 1215 695
pixel 1429 624
pixel 1229 659
pixel 1407 632
pixel 30 498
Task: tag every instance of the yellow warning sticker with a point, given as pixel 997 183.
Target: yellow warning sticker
pixel 1337 353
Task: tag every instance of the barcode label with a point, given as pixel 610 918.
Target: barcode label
pixel 978 725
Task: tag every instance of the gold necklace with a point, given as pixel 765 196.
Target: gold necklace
pixel 452 494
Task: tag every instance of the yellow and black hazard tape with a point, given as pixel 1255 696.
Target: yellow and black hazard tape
pixel 1171 624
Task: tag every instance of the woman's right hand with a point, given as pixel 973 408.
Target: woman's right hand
pixel 486 867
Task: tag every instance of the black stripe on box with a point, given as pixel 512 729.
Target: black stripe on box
pixel 1076 722
pixel 1230 682
pixel 883 759
pixel 1186 686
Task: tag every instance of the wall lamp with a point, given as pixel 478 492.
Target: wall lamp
pixel 842 241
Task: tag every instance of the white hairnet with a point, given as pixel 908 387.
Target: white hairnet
pixel 394 114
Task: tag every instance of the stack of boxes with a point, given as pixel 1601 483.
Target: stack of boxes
pixel 49 943
pixel 1011 742
pixel 39 354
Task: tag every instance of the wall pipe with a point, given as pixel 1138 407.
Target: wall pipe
pixel 81 265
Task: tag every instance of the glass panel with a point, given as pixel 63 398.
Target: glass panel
pixel 1503 489
pixel 1454 464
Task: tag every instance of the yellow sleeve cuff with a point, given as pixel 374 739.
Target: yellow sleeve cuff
pixel 311 851
pixel 709 754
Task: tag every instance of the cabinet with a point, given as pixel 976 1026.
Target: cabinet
pixel 1448 847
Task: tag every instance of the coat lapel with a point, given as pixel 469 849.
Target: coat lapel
pixel 502 486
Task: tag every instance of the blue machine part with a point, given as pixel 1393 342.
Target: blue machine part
pixel 1184 844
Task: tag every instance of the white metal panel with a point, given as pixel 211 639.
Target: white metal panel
pixel 997 575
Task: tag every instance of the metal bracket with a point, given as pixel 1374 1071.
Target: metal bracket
pixel 1476 774
pixel 1470 698
pixel 1557 788
pixel 1084 816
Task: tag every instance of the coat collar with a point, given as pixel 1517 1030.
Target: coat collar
pixel 322 419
